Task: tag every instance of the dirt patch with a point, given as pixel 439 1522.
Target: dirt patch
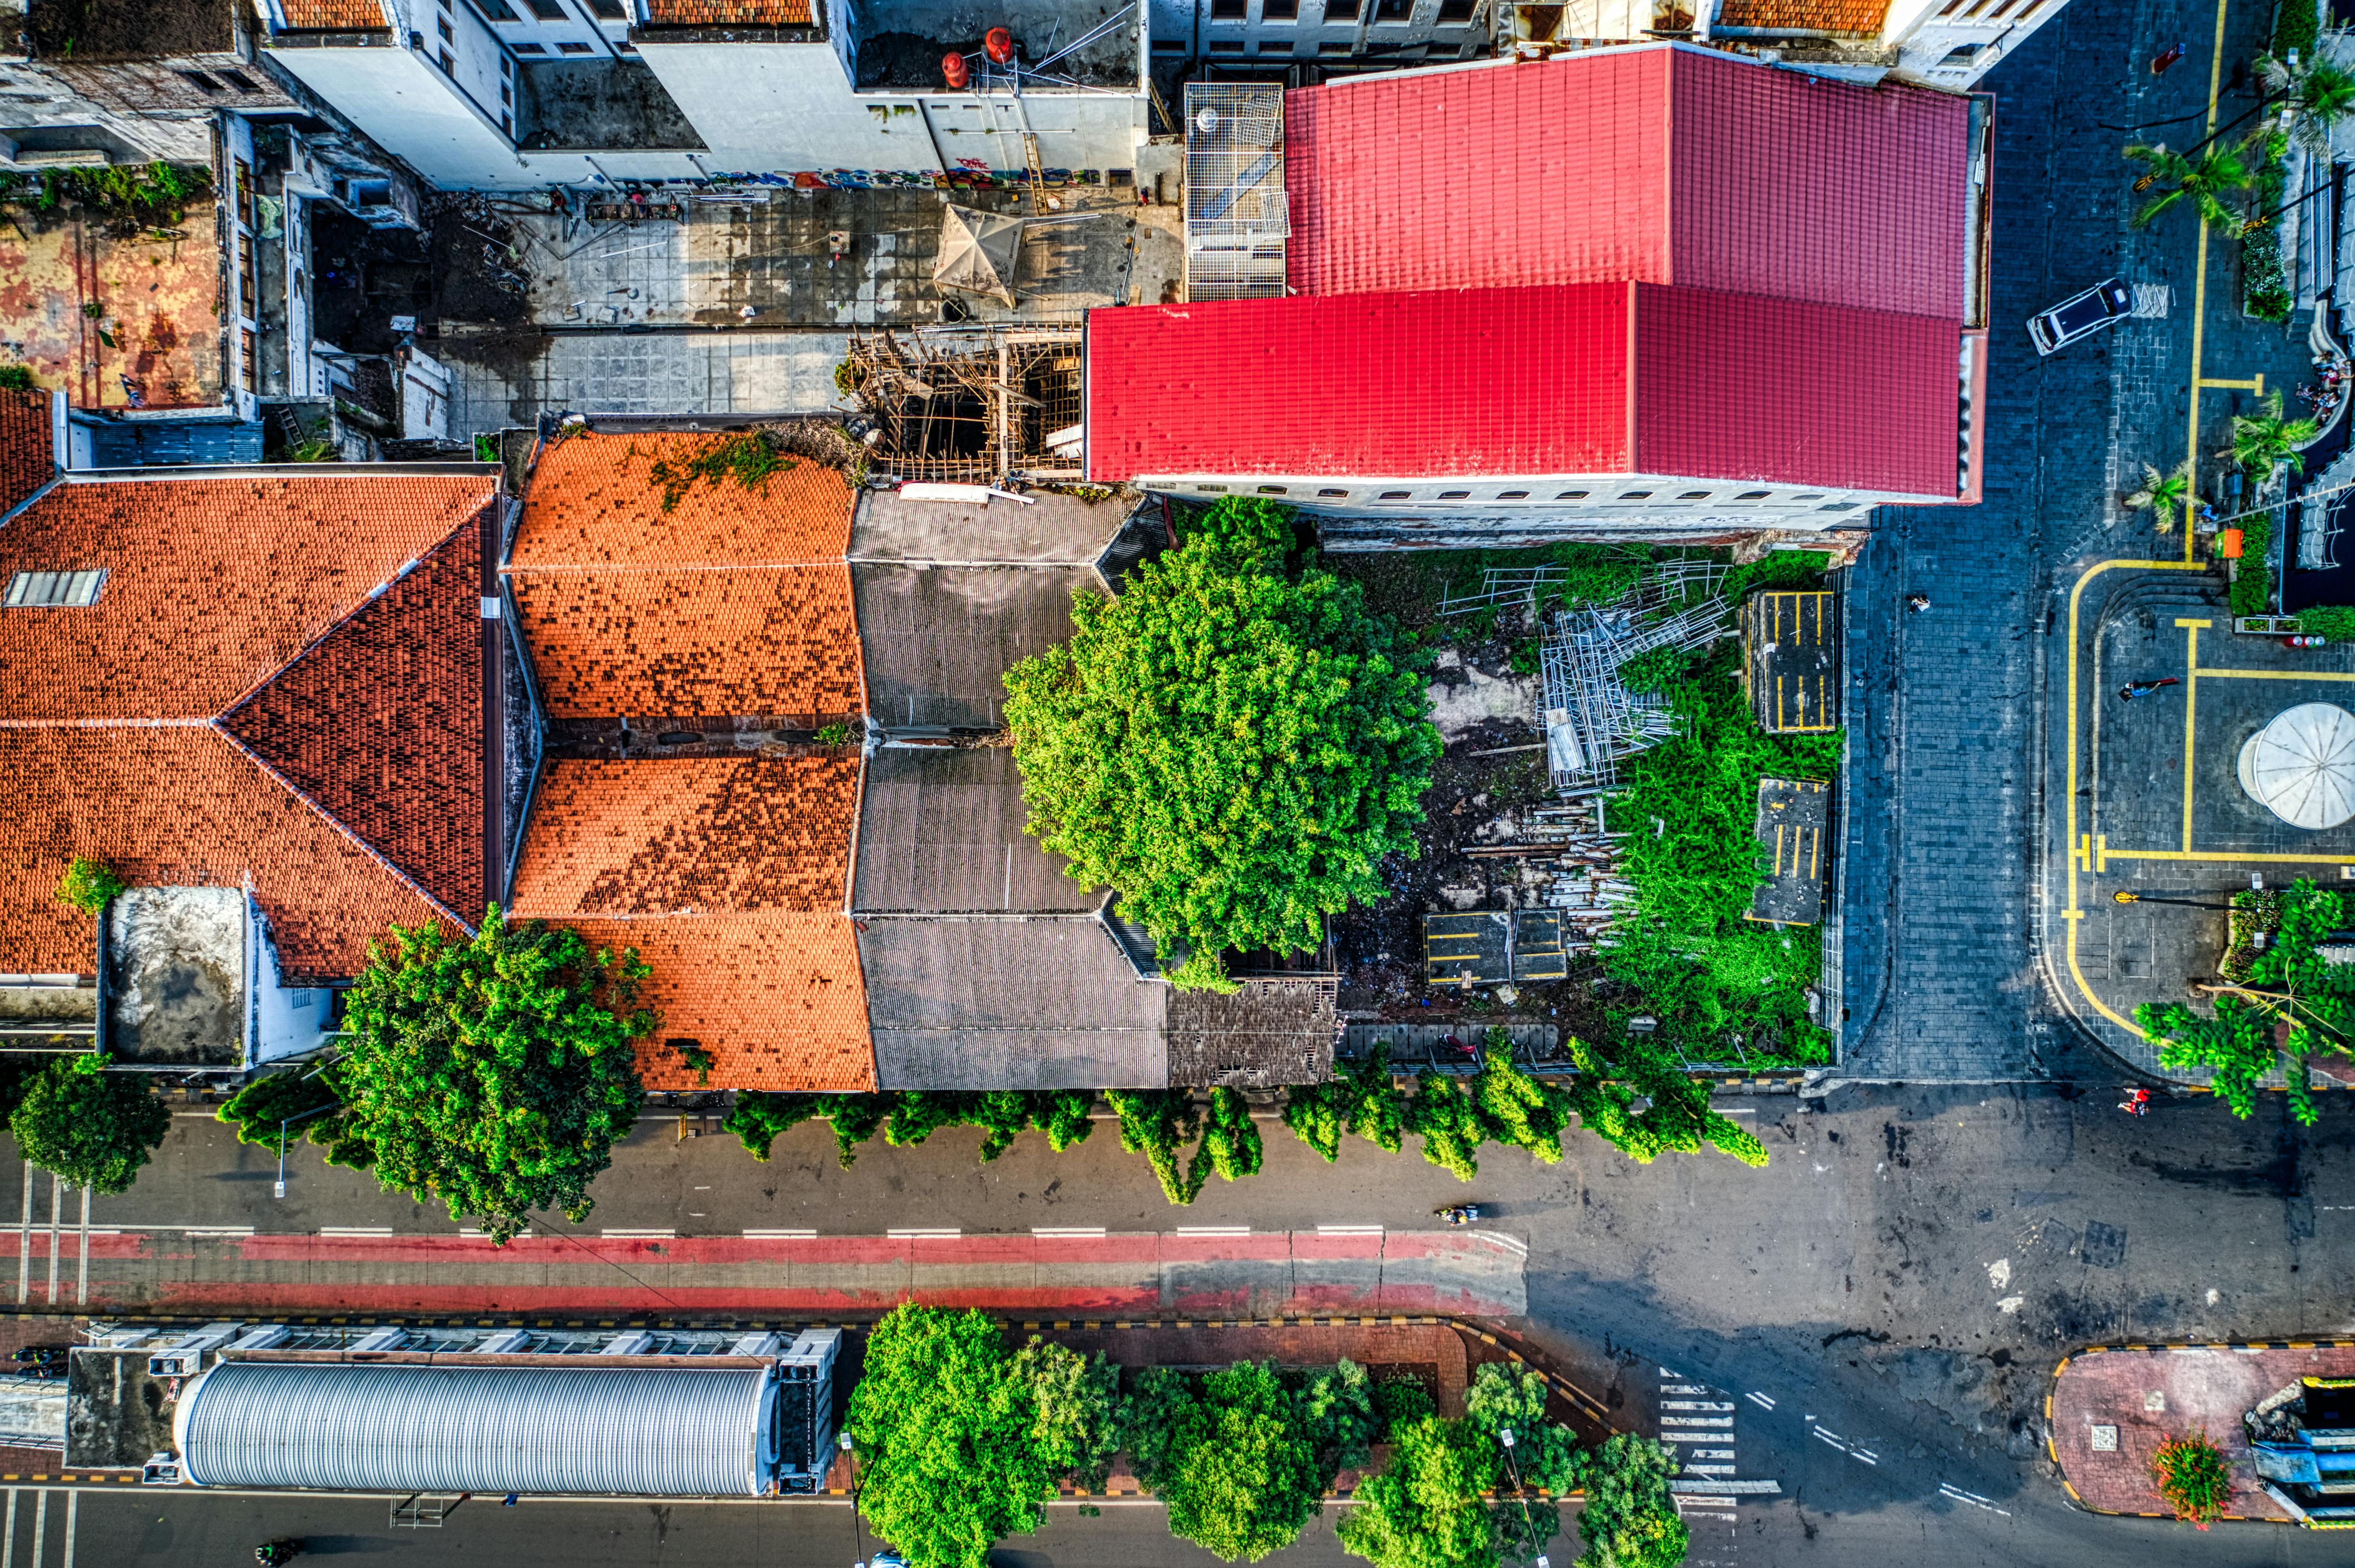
pixel 456 271
pixel 65 30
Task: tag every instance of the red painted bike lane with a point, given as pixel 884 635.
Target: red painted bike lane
pixel 1130 1275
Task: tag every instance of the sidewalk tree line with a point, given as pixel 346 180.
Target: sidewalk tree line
pixel 2288 981
pixel 961 1441
pixel 1641 1103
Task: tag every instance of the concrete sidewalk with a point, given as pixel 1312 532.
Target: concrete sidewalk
pixel 1111 1277
pixel 2131 1400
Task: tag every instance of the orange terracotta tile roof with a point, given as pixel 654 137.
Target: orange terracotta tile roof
pixel 335 16
pixel 690 834
pixel 26 464
pixel 594 501
pixel 733 603
pixel 729 13
pixel 214 585
pixel 729 876
pixel 178 806
pixel 254 700
pixel 381 723
pixel 625 642
pixel 1818 16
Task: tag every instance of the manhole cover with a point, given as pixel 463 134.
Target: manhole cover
pixel 2106 1440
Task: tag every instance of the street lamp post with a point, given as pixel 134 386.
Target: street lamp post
pixel 858 1529
pixel 279 1190
pixel 1529 1526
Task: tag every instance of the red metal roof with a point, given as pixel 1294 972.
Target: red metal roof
pixel 1473 381
pixel 1508 382
pixel 1741 388
pixel 1663 165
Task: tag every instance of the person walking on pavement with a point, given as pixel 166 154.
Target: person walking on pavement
pixel 2133 689
pixel 1917 602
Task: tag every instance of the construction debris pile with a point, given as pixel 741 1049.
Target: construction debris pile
pixel 1562 858
pixel 968 405
pixel 1591 719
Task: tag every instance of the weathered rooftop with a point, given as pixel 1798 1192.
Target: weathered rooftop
pixel 1042 1003
pixel 936 641
pixel 25 459
pixel 102 31
pixel 940 832
pixel 176 977
pixel 68 287
pixel 901 41
pixel 736 601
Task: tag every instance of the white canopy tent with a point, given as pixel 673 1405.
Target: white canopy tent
pixel 979 251
pixel 2301 767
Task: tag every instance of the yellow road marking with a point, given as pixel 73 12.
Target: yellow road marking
pixel 2200 297
pixel 2074 912
pixel 2255 384
pixel 2190 697
pixel 2215 674
pixel 2201 857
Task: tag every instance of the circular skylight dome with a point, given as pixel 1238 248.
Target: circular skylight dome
pixel 2301 767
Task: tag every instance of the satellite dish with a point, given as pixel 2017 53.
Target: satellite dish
pixel 2301 767
pixel 1207 121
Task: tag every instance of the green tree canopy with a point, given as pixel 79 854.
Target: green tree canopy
pixel 493 1074
pixel 93 1127
pixel 1511 1397
pixel 1629 1519
pixel 1426 1511
pixel 1234 745
pixel 89 886
pixel 1237 1464
pixel 1075 1400
pixel 2288 981
pixel 947 1434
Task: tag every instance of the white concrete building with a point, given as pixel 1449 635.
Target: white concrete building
pixel 524 95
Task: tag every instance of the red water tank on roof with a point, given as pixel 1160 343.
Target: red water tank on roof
pixel 1000 45
pixel 953 67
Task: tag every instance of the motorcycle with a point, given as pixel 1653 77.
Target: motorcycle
pixel 1460 1215
pixel 271 1553
pixel 2137 1103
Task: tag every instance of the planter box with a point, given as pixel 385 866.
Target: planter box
pixel 2267 625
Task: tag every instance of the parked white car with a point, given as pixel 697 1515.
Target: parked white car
pixel 2079 315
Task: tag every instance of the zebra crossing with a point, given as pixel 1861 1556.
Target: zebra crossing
pixel 1699 1422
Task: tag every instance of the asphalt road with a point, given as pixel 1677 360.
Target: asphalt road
pixel 1854 1283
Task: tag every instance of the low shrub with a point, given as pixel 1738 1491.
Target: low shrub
pixel 2192 1478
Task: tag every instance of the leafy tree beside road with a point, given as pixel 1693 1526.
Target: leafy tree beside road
pixel 93 1127
pixel 2287 983
pixel 493 1074
pixel 947 1434
pixel 1235 743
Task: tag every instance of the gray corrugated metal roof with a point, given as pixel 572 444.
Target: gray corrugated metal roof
pixel 937 640
pixel 1025 1003
pixel 638 1432
pixel 1053 530
pixel 940 832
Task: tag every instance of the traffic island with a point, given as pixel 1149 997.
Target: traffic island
pixel 2282 1415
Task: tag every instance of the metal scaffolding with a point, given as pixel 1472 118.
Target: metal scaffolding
pixel 1591 719
pixel 1238 218
pixel 969 404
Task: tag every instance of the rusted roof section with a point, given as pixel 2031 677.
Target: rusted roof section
pixel 729 13
pixel 333 16
pixel 1855 16
pixel 594 501
pixel 213 586
pixel 155 339
pixel 181 805
pixel 775 998
pixel 625 641
pixel 26 464
pixel 690 834
pixel 381 723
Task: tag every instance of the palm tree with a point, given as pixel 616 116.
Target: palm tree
pixel 2315 95
pixel 2164 494
pixel 2260 442
pixel 2199 180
